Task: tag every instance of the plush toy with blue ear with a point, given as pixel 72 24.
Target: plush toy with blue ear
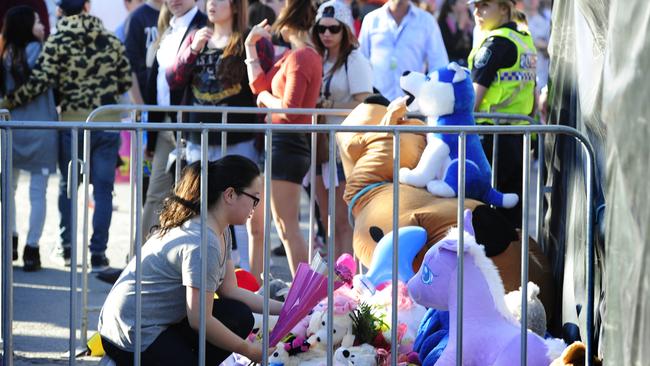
pixel 446 98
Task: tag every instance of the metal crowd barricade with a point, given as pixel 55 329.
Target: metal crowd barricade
pixel 6 277
pixel 269 129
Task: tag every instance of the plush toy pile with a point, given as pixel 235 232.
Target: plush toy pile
pixel 361 333
pixel 368 159
pixel 492 334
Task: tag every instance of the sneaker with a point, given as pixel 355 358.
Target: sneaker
pixel 98 262
pixel 62 255
pixel 31 259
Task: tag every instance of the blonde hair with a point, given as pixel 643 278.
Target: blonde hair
pixel 164 18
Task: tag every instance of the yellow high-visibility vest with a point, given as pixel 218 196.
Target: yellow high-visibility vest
pixel 513 90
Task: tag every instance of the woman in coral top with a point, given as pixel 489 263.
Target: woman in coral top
pixel 293 82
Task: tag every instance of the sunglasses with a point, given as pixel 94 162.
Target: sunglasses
pixel 334 29
pixel 255 199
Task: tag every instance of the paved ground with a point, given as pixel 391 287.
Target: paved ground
pixel 42 299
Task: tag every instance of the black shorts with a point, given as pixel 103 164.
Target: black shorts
pixel 290 156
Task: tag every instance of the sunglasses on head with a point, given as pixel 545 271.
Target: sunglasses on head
pixel 334 29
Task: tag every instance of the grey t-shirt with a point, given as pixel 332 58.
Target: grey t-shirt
pixel 169 264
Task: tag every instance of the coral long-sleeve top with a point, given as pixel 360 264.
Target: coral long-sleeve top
pixel 296 79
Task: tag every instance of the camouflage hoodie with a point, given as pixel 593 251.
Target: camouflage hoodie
pixel 84 63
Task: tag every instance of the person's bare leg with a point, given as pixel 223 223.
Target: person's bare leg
pixel 285 205
pixel 255 226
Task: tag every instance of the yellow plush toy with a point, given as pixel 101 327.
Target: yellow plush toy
pixel 368 163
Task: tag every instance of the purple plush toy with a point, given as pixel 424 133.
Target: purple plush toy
pixel 491 335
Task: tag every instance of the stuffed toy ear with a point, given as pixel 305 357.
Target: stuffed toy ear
pixel 493 230
pixel 460 73
pixel 450 242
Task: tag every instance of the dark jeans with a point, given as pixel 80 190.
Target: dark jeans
pixel 104 147
pixel 509 170
pixel 179 344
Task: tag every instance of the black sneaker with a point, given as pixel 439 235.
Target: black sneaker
pixel 98 262
pixel 31 259
pixel 62 255
pixel 14 245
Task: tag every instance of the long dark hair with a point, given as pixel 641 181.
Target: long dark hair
pixel 16 34
pixel 184 202
pixel 348 44
pixel 232 69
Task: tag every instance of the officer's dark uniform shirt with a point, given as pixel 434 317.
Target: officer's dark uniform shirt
pixel 495 53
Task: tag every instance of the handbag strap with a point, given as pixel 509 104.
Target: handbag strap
pixel 328 81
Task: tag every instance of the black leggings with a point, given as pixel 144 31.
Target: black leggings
pixel 179 344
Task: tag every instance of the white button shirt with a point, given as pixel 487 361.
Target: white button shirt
pixel 166 55
pixel 414 45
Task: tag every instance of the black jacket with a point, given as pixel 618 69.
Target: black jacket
pixel 177 97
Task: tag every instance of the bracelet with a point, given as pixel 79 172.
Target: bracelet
pixel 251 61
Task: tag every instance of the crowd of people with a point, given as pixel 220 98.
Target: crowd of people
pixel 266 53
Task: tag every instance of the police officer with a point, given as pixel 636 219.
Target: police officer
pixel 503 73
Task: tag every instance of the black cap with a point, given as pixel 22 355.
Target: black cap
pixel 71 6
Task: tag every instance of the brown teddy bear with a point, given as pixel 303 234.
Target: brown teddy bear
pixel 368 162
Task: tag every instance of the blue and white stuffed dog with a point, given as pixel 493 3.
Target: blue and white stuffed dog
pixel 446 98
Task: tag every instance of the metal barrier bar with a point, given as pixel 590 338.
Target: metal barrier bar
pixel 179 136
pixel 269 129
pixel 331 219
pixel 73 179
pixel 84 237
pixel 312 190
pixel 138 242
pixel 224 135
pixel 133 179
pixel 204 244
pixel 7 248
pixel 591 252
pixel 267 242
pixel 540 192
pixel 524 248
pixel 460 252
pixel 394 263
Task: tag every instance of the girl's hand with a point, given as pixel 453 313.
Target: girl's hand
pixel 201 37
pixel 254 352
pixel 261 30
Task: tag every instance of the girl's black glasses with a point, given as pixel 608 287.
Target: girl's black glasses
pixel 255 199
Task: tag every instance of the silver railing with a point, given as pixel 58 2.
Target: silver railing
pixel 269 129
pixel 6 275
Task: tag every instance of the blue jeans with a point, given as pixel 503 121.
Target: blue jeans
pixel 104 147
